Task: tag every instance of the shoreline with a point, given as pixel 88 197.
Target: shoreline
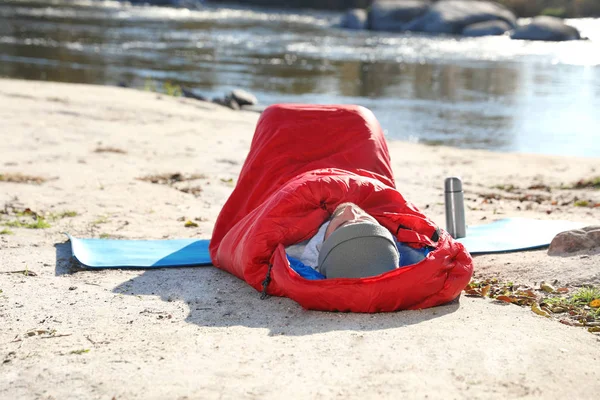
pixel 202 333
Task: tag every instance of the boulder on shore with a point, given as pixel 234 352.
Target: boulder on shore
pixel 546 28
pixel 576 240
pixel 354 19
pixel 453 16
pixel 487 28
pixel 393 15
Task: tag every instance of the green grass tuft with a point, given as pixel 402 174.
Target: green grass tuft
pixel 585 295
pixel 6 232
pixel 559 12
pixel 82 351
pixel 103 219
pixel 40 223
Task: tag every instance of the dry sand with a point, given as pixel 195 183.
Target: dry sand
pixel 198 333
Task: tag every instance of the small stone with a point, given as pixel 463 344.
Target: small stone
pixel 72 287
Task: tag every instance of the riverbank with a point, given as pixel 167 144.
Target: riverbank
pixel 86 154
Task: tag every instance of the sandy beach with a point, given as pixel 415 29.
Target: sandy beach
pixel 200 333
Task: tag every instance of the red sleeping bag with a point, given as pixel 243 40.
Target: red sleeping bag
pixel 305 160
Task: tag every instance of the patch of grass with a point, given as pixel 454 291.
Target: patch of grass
pixel 81 351
pixel 168 88
pixel 40 223
pixel 592 183
pixel 21 178
pixel 13 224
pixel 582 203
pixel 109 150
pixel 61 215
pixel 195 190
pixel 559 12
pixel 104 236
pixel 507 188
pixel 585 295
pixel 103 219
pixel 6 232
pixel 149 85
pixel 172 89
pixel 171 178
pixel 228 182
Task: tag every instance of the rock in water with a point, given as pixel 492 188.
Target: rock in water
pixel 452 16
pixel 575 240
pixel 189 93
pixel 487 28
pixel 546 28
pixel 227 101
pixel 242 97
pixel 354 19
pixel 392 16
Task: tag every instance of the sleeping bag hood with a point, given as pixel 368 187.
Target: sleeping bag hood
pixel 304 160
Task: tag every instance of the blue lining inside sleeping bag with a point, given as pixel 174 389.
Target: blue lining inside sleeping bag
pixel 408 256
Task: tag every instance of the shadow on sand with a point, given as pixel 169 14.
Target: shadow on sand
pixel 218 299
pixel 65 263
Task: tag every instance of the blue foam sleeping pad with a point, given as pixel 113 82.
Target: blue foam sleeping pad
pixel 101 253
pixel 514 234
pixel 511 234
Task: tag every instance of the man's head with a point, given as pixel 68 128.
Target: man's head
pixel 356 245
pixel 346 214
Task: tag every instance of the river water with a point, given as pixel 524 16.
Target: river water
pixel 490 93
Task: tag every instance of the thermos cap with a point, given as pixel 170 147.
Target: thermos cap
pixel 453 184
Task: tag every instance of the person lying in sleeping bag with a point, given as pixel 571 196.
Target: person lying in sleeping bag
pixel 304 162
pixel 351 244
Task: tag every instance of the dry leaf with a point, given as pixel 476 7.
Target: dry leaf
pixel 595 303
pixel 562 290
pixel 527 293
pixel 485 290
pixel 190 224
pixel 570 323
pixel 547 287
pixel 535 307
pixel 594 329
pixel 473 292
pixel 507 299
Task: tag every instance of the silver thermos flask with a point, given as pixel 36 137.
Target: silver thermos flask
pixel 455 207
